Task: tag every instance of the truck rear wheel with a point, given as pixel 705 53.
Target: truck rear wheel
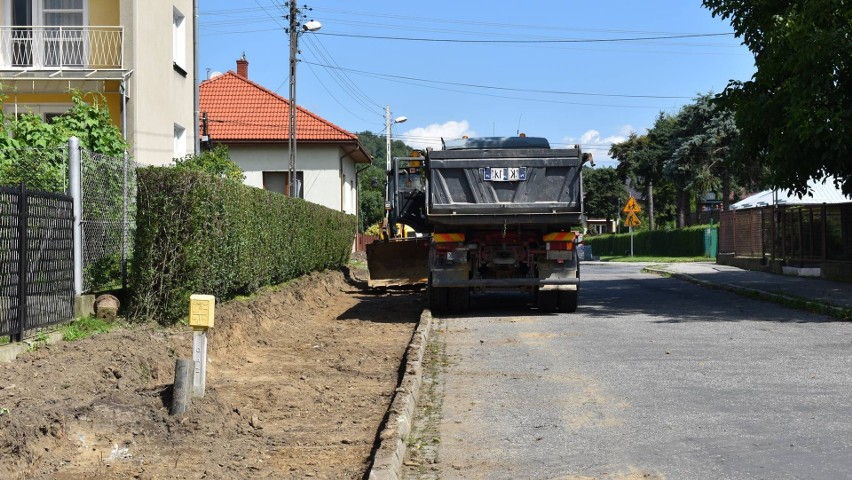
pixel 547 300
pixel 568 300
pixel 458 299
pixel 438 299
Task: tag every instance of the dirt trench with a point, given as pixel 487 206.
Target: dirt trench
pixel 299 380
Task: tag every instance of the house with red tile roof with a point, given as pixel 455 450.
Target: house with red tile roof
pixel 253 122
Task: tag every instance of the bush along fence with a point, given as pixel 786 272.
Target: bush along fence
pixel 685 242
pixel 200 234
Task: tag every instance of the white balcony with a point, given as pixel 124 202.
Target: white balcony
pixel 53 51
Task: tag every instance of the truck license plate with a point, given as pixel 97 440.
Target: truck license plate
pixel 505 174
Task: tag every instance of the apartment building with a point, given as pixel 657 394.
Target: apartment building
pixel 137 54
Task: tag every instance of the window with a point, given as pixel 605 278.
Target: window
pixel 57 40
pixel 180 141
pixel 64 36
pixel 46 111
pixel 179 41
pixel 278 182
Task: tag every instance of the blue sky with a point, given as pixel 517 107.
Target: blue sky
pixel 571 71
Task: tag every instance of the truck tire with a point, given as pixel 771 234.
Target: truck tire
pixel 568 300
pixel 458 299
pixel 438 301
pixel 547 300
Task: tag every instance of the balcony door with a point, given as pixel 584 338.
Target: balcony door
pixel 48 33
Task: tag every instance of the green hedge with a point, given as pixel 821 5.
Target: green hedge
pixel 685 242
pixel 199 234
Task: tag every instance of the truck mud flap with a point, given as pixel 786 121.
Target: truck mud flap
pixel 398 262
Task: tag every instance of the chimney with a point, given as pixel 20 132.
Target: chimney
pixel 242 67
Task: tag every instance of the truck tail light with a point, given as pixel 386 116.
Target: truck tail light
pixel 560 245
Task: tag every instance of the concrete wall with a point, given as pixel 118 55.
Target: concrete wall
pixel 321 165
pixel 838 271
pixel 160 97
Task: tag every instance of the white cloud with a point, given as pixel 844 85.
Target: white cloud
pixel 430 136
pixel 593 142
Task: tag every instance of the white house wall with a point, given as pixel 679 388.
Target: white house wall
pixel 321 166
pixel 160 97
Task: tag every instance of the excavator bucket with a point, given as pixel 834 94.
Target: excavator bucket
pixel 398 262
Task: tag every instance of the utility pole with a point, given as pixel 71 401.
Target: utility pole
pixel 294 28
pixel 387 155
pixel 291 137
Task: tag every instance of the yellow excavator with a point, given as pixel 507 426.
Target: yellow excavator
pixel 400 257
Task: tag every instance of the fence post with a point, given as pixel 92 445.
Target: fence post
pixel 124 225
pixel 23 219
pixel 74 180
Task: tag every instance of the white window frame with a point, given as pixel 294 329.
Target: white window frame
pixel 39 11
pixel 180 141
pixel 179 38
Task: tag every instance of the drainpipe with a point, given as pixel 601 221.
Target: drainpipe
pixel 195 94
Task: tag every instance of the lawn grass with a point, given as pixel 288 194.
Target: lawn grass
pixel 84 327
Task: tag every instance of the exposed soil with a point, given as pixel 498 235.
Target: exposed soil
pixel 298 383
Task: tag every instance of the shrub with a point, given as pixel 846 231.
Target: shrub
pixel 196 233
pixel 684 242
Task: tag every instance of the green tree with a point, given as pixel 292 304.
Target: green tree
pixel 371 181
pixel 604 193
pixel 795 113
pixel 33 151
pixel 641 162
pixel 216 162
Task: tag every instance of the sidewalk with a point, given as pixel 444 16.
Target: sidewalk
pixel 815 294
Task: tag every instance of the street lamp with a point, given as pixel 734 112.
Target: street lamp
pixel 294 31
pixel 388 124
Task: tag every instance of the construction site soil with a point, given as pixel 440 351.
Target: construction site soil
pixel 299 380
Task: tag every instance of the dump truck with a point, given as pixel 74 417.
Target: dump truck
pixel 400 257
pixel 504 214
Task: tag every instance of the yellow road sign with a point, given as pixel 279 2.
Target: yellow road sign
pixel 632 220
pixel 632 206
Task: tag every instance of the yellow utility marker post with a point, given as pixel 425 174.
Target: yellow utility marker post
pixel 631 209
pixel 201 310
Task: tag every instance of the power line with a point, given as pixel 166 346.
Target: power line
pixel 493 87
pixel 564 40
pixel 325 54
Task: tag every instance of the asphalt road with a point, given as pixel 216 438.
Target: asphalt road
pixel 652 377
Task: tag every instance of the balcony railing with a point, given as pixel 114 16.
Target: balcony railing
pixel 61 48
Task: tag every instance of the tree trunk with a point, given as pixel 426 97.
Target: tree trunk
pixel 726 190
pixel 681 201
pixel 651 204
pixel 696 220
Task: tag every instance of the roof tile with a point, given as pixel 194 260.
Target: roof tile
pixel 241 110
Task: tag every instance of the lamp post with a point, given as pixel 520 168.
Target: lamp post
pixel 388 124
pixel 311 26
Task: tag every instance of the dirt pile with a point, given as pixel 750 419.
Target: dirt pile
pixel 299 379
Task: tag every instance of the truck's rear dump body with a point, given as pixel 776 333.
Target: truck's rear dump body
pixel 504 187
pixel 502 219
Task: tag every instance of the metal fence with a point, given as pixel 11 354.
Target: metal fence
pixel 806 233
pixel 108 186
pixel 36 260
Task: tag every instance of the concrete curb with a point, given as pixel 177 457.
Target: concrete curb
pixel 387 462
pixel 786 300
pixel 8 353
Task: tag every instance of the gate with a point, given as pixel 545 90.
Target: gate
pixel 36 260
